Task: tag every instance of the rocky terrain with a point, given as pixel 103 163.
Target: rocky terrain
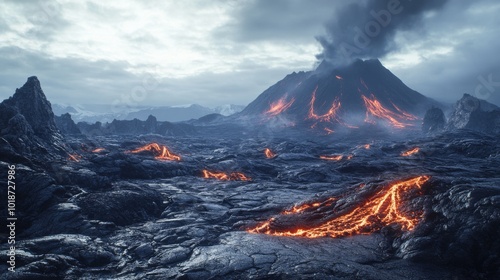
pixel 232 202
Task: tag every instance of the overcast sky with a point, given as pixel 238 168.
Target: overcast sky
pixel 227 51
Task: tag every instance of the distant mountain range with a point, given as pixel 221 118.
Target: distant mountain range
pixel 92 113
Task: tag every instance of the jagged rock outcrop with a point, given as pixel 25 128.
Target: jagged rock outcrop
pixel 434 121
pixel 475 114
pixel 27 122
pixel 66 124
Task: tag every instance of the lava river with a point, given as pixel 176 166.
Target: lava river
pixel 381 209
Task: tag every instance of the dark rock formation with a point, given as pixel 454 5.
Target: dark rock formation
pixel 434 121
pixel 27 122
pixel 475 114
pixel 66 125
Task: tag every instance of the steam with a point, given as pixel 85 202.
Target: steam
pixel 367 29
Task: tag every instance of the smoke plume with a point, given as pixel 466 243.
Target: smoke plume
pixel 367 29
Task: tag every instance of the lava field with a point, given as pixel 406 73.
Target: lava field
pixel 273 207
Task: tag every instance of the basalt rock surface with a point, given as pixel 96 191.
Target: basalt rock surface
pixel 154 219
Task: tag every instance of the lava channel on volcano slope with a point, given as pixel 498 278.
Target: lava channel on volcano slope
pixel 383 208
pixel 279 106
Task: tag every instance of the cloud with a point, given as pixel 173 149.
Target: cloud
pixel 459 48
pixel 229 51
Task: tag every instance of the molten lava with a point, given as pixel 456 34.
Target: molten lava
pixel 234 176
pixel 75 157
pixel 161 152
pixel 279 107
pixel 98 150
pixel 269 153
pixel 410 152
pixel 381 209
pixel 301 208
pixel 375 109
pixel 334 157
pixel 329 116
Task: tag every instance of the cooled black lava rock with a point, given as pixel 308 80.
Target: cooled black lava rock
pixel 434 121
pixel 476 114
pixel 66 125
pixel 125 204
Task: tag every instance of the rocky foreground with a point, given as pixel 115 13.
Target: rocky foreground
pixel 107 213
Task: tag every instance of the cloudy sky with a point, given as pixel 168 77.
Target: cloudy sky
pixel 229 51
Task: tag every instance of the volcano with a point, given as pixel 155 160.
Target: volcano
pixel 364 92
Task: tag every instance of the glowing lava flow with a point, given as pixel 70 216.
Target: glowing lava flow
pixel 234 176
pixel 75 157
pixel 161 152
pixel 335 157
pixel 301 208
pixel 328 116
pixel 279 107
pixel 269 153
pixel 410 152
pixel 381 209
pixel 375 109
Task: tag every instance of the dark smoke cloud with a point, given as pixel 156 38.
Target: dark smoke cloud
pixel 367 29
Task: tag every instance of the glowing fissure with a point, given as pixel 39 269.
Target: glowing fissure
pixel 375 109
pixel 381 209
pixel 279 106
pixel 161 152
pixel 234 176
pixel 410 152
pixel 333 157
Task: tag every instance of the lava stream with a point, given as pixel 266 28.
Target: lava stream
pixel 75 157
pixel 269 153
pixel 375 109
pixel 234 176
pixel 301 208
pixel 334 157
pixel 381 209
pixel 410 152
pixel 279 107
pixel 329 116
pixel 161 152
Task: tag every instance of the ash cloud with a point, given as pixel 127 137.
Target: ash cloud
pixel 367 29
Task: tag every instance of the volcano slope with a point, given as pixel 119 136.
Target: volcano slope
pixel 317 208
pixel 342 98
